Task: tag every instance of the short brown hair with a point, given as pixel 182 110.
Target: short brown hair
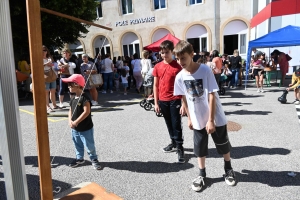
pixel 145 54
pixel 167 45
pixel 183 47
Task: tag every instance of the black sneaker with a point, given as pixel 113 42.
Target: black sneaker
pixel 170 148
pixel 230 177
pixel 198 183
pixel 96 164
pixel 180 153
pixel 76 162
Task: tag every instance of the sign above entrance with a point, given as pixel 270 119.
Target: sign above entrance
pixel 135 21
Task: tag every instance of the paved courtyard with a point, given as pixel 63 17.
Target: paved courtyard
pixel 129 142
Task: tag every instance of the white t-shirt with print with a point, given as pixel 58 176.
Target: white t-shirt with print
pixel 196 88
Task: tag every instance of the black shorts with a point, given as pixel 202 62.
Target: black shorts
pixel 220 138
pixel 257 71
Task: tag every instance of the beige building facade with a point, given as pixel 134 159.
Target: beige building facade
pixel 207 24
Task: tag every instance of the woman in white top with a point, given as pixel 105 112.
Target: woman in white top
pixel 146 63
pixel 107 72
pixel 137 71
pixel 50 87
pixel 119 64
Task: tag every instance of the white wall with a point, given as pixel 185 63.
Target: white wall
pixel 196 31
pixel 130 38
pixel 235 27
pixel 159 33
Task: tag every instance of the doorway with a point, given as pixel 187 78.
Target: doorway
pixel 231 42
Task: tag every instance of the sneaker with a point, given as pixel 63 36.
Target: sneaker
pixel 198 183
pixel 170 148
pixel 61 105
pixel 262 90
pixel 258 90
pixel 49 109
pixel 230 177
pixel 94 103
pixel 111 91
pixel 96 164
pixel 297 102
pixel 180 152
pixel 103 92
pixel 76 162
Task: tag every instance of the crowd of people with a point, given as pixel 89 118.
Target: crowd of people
pixel 181 83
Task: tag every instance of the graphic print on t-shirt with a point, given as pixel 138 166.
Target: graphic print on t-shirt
pixel 194 89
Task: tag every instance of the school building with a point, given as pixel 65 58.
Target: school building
pixel 207 24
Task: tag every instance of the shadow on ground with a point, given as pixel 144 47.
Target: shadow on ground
pixel 242 152
pixel 33 184
pixel 147 167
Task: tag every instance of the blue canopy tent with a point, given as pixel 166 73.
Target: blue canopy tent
pixel 286 36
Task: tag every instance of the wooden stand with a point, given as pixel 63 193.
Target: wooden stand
pixel 91 191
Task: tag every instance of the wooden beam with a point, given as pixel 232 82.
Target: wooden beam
pixel 74 18
pixel 38 81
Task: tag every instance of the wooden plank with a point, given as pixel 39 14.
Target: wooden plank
pixel 74 18
pixel 90 192
pixel 38 81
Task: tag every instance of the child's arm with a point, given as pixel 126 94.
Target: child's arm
pixel 210 125
pixel 70 118
pixel 155 92
pixel 190 125
pixel 84 114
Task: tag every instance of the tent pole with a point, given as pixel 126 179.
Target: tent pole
pixel 38 81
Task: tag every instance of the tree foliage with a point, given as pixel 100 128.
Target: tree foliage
pixel 56 31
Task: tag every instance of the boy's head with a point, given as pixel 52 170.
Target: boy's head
pixel 166 48
pixel 125 62
pixel 184 53
pixel 75 82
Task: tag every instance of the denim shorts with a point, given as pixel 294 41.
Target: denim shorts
pixel 51 85
pixel 125 85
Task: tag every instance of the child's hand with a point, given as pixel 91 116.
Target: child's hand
pixel 190 125
pixel 210 127
pixel 290 85
pixel 156 108
pixel 287 89
pixel 182 111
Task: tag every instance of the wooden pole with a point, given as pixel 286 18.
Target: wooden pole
pixel 38 81
pixel 73 18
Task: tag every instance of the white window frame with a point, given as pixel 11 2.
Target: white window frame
pixel 127 13
pixel 189 2
pixel 134 50
pixel 160 5
pixel 239 43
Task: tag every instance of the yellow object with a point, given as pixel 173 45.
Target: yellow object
pixel 24 67
pixel 295 81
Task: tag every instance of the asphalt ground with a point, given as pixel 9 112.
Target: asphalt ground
pixel 129 142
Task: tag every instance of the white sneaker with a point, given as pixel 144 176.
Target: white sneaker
pixel 103 92
pixel 262 90
pixel 94 103
pixel 111 91
pixel 61 105
pixel 296 102
pixel 258 90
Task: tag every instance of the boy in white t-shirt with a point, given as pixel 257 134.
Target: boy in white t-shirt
pixel 197 85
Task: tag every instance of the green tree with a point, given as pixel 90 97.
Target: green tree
pixel 56 31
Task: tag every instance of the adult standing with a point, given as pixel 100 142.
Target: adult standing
pixel 218 63
pixel 119 64
pixel 146 63
pixel 236 63
pixel 137 74
pixel 87 68
pixel 65 65
pixel 107 72
pixel 51 86
pixel 283 63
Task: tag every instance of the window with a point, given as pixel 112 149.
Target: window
pixel 159 4
pixel 192 2
pixel 130 49
pixel 99 11
pixel 242 43
pixel 126 6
